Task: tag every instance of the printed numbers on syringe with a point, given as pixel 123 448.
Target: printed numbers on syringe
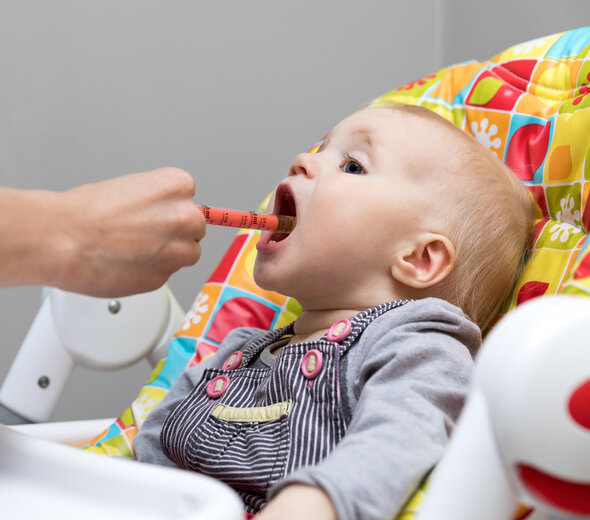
pixel 248 219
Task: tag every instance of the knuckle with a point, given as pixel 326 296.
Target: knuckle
pixel 183 253
pixel 186 214
pixel 183 179
pixel 192 253
pixel 191 219
pixel 177 180
pixel 196 253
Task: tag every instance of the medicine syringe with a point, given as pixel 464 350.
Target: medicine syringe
pixel 248 219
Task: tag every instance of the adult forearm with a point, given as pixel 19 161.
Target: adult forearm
pixel 34 245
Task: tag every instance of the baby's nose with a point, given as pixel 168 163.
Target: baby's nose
pixel 303 164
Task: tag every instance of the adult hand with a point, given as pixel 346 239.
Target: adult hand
pixel 113 238
pixel 131 233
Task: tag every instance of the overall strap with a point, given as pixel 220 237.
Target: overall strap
pixel 362 320
pixel 358 324
pixel 259 343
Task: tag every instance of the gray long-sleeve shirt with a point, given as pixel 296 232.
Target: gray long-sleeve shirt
pixel 403 385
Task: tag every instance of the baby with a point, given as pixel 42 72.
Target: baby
pixel 409 235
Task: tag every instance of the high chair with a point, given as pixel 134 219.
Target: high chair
pixel 73 329
pixel 522 446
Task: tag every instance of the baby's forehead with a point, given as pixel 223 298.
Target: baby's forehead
pixel 412 137
pixel 367 119
pixel 381 125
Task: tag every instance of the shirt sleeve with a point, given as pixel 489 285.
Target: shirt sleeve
pixel 412 377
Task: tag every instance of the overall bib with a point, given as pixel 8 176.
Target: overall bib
pixel 250 427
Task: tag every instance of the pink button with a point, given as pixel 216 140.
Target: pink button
pixel 217 386
pixel 339 330
pixel 312 363
pixel 233 361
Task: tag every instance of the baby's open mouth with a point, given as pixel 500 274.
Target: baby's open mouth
pixel 285 206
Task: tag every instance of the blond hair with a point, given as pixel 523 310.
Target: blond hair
pixel 488 217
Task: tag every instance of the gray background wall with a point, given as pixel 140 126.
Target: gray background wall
pixel 230 91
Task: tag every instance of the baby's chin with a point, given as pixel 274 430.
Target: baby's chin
pixel 269 279
pixel 263 277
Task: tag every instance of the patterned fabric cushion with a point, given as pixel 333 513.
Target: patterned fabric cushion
pixel 530 105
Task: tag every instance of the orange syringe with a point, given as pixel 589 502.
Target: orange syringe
pixel 248 219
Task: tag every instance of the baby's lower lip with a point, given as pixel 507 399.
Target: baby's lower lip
pixel 268 243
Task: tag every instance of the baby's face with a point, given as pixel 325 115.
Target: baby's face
pixel 356 204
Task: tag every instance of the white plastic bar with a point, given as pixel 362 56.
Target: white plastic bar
pixel 470 482
pixel 39 372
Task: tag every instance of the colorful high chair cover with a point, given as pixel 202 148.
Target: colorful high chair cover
pixel 530 105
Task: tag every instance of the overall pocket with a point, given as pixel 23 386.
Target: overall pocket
pixel 246 448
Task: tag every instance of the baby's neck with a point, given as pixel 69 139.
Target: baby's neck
pixel 314 324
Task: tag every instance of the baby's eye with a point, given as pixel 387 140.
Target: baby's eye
pixel 352 166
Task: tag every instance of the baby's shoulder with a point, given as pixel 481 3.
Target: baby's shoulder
pixel 423 313
pixel 423 321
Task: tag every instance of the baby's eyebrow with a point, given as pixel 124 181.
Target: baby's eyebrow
pixel 362 134
pixel 365 136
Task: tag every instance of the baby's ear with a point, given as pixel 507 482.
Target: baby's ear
pixel 424 264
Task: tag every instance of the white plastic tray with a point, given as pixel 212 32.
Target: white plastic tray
pixel 42 479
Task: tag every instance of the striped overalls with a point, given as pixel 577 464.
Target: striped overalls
pixel 250 427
